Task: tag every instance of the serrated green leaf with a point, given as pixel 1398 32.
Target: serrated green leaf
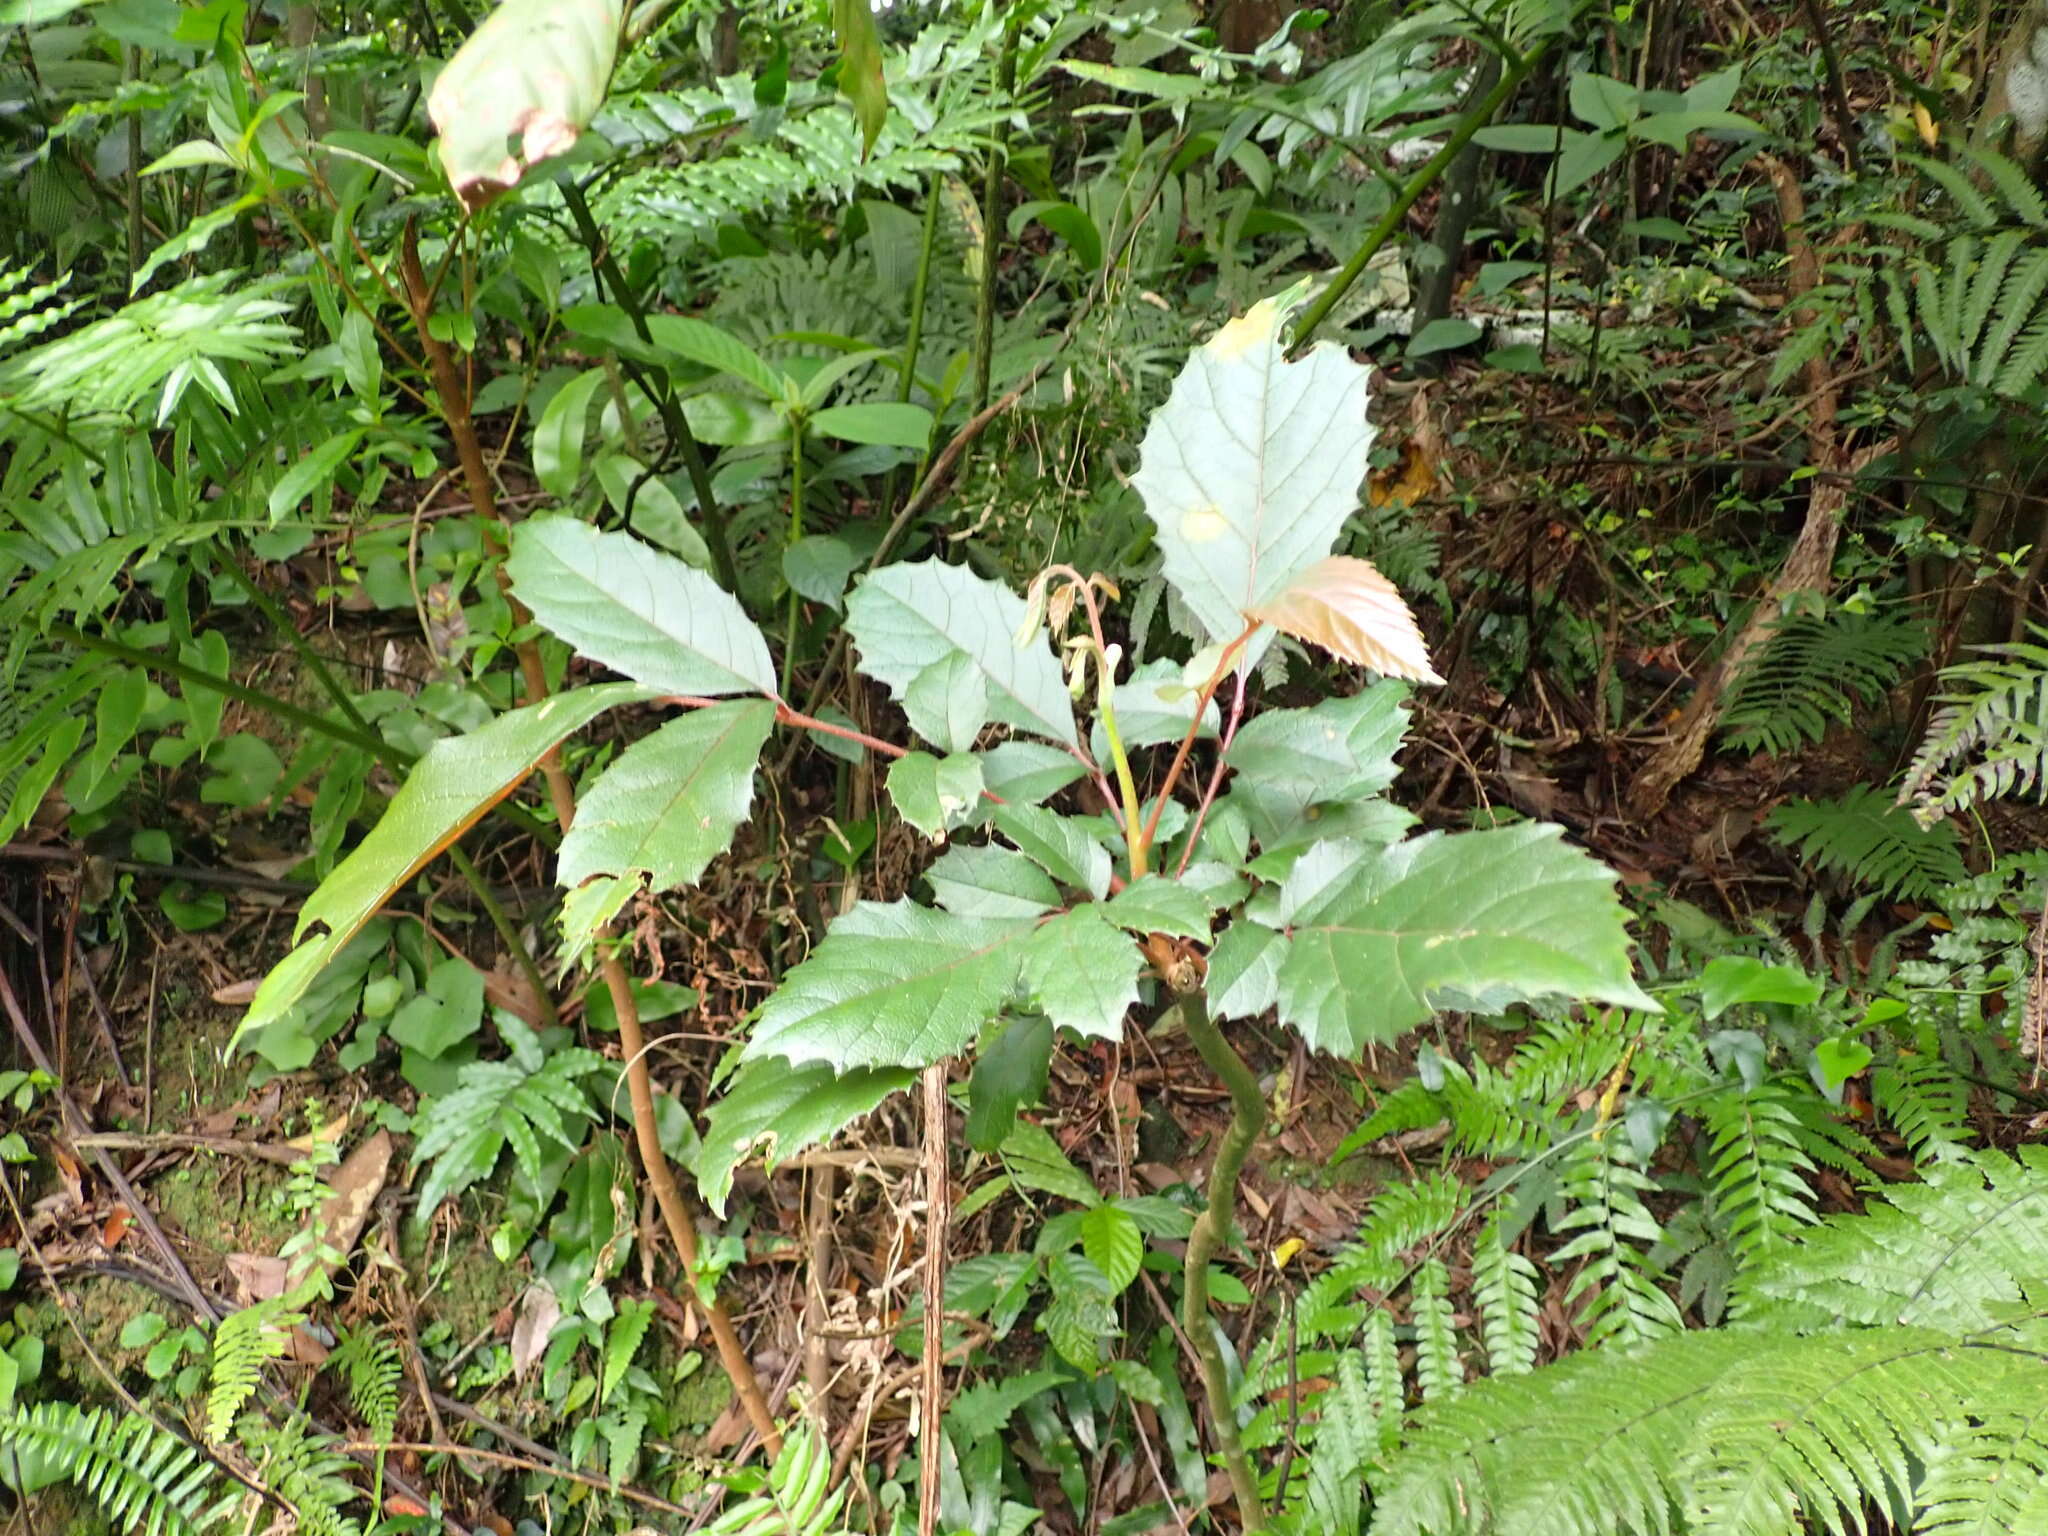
pixel 1083 972
pixel 459 779
pixel 636 610
pixel 776 1109
pixel 535 70
pixel 1252 466
pixel 947 703
pixel 980 880
pixel 935 794
pixel 1114 1245
pixel 1381 938
pixel 1244 971
pixel 1026 772
pixel 1057 845
pixel 1081 1316
pixel 904 618
pixel 896 985
pixel 671 802
pixel 1157 904
pixel 985 1408
pixel 1288 761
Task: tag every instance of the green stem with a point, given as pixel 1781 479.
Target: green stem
pixel 1476 117
pixel 992 222
pixel 1212 1228
pixel 796 531
pixel 920 287
pixel 1135 832
pixel 677 425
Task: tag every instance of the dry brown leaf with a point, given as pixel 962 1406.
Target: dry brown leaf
pixel 356 1183
pixel 539 1311
pixel 1349 609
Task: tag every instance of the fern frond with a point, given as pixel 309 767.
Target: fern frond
pixel 1505 1292
pixel 1949 1252
pixel 1925 1102
pixel 1869 839
pixel 1989 1476
pixel 25 307
pixel 1403 1217
pixel 1438 1370
pixel 1619 1298
pixel 1996 706
pixel 243 1344
pixel 1756 1168
pixel 146 1480
pixel 1812 673
pixel 371 1366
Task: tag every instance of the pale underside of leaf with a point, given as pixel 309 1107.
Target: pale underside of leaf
pixel 1349 609
pixel 1251 467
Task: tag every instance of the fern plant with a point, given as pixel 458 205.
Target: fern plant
pixel 1978 283
pixel 1814 672
pixel 1886 1359
pixel 1865 837
pixel 1989 734
pixel 146 1480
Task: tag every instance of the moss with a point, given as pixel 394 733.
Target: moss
pixel 225 1205
pixel 64 1510
pixel 101 1307
pixel 471 1287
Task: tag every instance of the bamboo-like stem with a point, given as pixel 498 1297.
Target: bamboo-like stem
pixel 1211 1230
pixel 992 222
pixel 1476 117
pixel 453 400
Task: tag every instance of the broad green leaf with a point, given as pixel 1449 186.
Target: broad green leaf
pixel 947 703
pixel 651 508
pixel 1114 1245
pixel 1729 980
pixel 860 67
pixel 558 435
pixel 1083 972
pixel 1025 772
pixel 1441 335
pixel 1057 845
pixel 298 484
pixel 981 880
pixel 1379 939
pixel 637 610
pixel 1244 971
pixel 1290 760
pixel 818 567
pixel 1035 1160
pixel 535 69
pixel 935 794
pixel 1081 1316
pixel 1674 130
pixel 1066 220
pixel 1603 102
pixel 1585 156
pixel 669 805
pixel 449 1011
pixel 1518 138
pixel 1009 1073
pixel 459 779
pixel 698 341
pixel 1135 81
pixel 906 617
pixel 1837 1060
pixel 1157 904
pixel 876 421
pixel 895 985
pixel 776 1109
pixel 1251 467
